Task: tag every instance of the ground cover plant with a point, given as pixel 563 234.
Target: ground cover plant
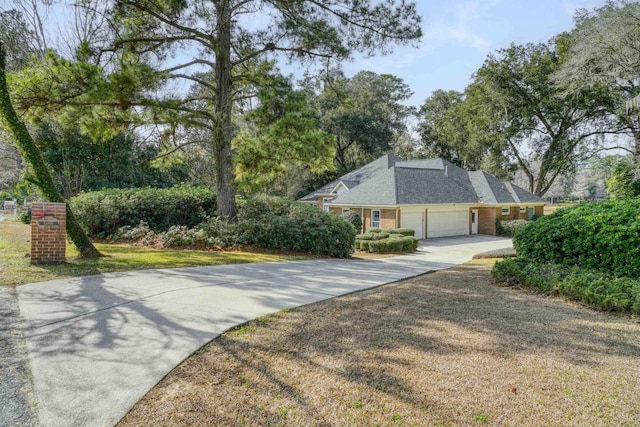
pixel 16 269
pixel 432 350
pixel 395 240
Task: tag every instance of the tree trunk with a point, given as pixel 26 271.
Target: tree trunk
pixel 223 157
pixel 32 155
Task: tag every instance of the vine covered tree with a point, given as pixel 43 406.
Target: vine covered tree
pixel 218 46
pixel 40 170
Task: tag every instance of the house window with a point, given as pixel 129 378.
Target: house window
pixel 506 211
pixel 345 210
pixel 325 206
pixel 523 210
pixel 375 218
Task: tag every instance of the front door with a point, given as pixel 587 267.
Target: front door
pixel 474 221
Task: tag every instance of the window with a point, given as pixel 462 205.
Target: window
pixel 523 210
pixel 325 206
pixel 375 218
pixel 506 211
pixel 345 210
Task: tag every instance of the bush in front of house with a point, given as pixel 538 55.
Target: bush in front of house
pixel 508 228
pixel 277 223
pixel 602 236
pixel 404 231
pixel 354 219
pixel 383 241
pixel 594 288
pixel 102 213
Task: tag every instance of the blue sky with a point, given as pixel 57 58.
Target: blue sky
pixel 459 34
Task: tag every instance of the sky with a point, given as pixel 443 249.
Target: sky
pixel 459 34
pixel 457 37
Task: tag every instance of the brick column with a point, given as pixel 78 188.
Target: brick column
pixel 48 233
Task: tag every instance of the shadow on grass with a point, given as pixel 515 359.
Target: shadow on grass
pixel 357 338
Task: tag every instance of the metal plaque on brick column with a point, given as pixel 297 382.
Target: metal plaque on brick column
pixel 48 232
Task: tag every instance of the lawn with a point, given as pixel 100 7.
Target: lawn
pixel 447 348
pixel 16 268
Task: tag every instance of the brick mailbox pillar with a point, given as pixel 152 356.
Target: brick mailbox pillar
pixel 48 232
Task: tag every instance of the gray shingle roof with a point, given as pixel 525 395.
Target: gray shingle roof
pixel 356 177
pixel 390 181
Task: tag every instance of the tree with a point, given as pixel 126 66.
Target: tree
pixel 605 52
pixel 365 113
pixel 225 43
pixel 538 122
pixel 39 168
pixel 283 140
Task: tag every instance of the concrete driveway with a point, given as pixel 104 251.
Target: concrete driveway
pixel 97 344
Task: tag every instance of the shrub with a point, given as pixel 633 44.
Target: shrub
pixel 602 236
pixel 395 245
pixel 364 245
pixel 278 223
pixel 354 219
pixel 364 236
pixel 380 235
pixel 374 230
pixel 136 233
pixel 404 231
pixel 595 288
pixel 508 228
pixel 378 246
pixel 102 213
pixel 409 244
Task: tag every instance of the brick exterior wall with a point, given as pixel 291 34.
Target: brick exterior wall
pixel 335 210
pixel 487 220
pixel 387 218
pixel 48 233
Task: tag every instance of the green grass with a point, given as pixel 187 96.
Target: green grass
pixel 16 267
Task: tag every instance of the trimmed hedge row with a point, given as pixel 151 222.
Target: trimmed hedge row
pixel 602 236
pixel 594 288
pixel 382 241
pixel 102 213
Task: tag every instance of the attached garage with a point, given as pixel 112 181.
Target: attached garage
pixel 415 221
pixel 447 223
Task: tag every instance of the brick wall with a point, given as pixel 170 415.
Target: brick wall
pixel 387 218
pixel 487 220
pixel 48 233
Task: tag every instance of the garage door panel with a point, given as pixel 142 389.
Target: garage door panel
pixel 413 220
pixel 452 223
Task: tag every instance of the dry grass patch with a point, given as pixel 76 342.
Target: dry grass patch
pixel 447 348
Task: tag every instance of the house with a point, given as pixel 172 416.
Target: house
pixel 432 196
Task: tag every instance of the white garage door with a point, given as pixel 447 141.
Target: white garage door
pixel 414 221
pixel 453 223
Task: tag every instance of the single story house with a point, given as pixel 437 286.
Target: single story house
pixel 432 196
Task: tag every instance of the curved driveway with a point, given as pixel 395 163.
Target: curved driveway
pixel 97 344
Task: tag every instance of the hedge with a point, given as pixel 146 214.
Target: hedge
pixel 508 228
pixel 102 213
pixel 602 236
pixel 591 287
pixel 278 223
